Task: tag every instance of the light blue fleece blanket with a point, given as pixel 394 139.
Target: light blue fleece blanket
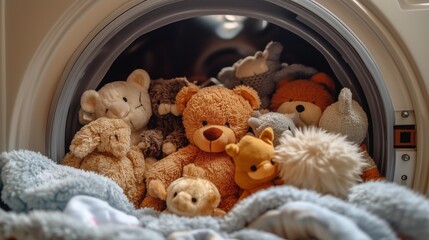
pixel 38 190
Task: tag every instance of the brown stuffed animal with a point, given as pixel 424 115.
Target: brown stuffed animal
pixel 213 117
pixel 166 133
pixel 103 146
pixel 308 98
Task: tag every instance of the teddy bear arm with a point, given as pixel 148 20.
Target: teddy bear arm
pixel 71 160
pixel 174 141
pixel 218 212
pixel 151 143
pixel 138 161
pixel 170 168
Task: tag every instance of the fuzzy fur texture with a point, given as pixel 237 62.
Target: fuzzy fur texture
pixel 315 159
pixel 30 181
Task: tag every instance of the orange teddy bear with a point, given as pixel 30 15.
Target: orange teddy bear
pixel 308 98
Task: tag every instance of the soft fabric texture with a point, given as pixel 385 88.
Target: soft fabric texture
pixel 93 211
pixel 41 189
pixel 405 210
pixel 213 117
pixel 127 100
pixel 314 159
pixel 103 146
pixel 32 181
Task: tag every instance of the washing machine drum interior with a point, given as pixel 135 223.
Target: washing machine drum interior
pixel 197 47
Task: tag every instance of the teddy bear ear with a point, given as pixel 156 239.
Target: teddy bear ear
pixel 267 135
pixel 88 101
pixel 232 149
pixel 184 95
pixel 140 77
pixel 324 80
pixel 85 140
pixel 249 94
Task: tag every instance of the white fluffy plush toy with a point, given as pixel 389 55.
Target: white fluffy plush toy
pixel 314 159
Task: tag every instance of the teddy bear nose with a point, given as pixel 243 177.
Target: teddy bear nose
pixel 212 134
pixel 300 108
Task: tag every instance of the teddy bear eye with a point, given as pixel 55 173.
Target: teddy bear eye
pixel 158 102
pixel 227 124
pixel 253 168
pixel 272 161
pixel 194 200
pixel 175 194
pixel 205 123
pixel 125 99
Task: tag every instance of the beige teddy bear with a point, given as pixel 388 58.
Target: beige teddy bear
pixel 127 100
pixel 193 195
pixel 103 146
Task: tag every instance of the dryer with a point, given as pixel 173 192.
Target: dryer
pixel 54 50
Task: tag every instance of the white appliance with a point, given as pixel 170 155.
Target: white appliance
pixel 51 51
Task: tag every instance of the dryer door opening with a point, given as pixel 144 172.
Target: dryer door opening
pixel 189 38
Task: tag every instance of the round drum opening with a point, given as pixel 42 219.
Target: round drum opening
pixel 194 40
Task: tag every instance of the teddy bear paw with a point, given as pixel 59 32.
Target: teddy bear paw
pixel 157 189
pixel 168 148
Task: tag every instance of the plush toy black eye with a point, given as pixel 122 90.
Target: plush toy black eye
pixel 205 123
pixel 272 161
pixel 106 110
pixel 194 200
pixel 175 194
pixel 289 128
pixel 117 138
pixel 125 99
pixel 253 168
pixel 158 102
pixel 227 124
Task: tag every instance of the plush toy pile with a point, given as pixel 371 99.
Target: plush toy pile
pixel 267 123
pixel 174 148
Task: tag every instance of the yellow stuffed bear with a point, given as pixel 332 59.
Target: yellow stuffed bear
pixel 253 159
pixel 103 146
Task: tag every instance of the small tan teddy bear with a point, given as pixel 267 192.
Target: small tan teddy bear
pixel 103 146
pixel 193 195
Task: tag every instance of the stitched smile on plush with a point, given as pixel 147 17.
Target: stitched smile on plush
pixel 214 138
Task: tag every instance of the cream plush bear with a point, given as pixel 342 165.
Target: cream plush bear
pixel 103 146
pixel 127 100
pixel 193 195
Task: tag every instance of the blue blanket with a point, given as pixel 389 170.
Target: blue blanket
pixel 38 190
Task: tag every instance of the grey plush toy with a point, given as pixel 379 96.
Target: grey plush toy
pixel 262 71
pixel 279 122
